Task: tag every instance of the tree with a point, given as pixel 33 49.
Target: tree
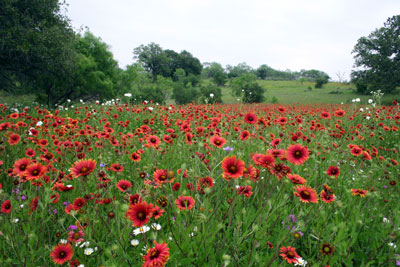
pixel 36 48
pixel 313 75
pixel 239 69
pixel 210 94
pixel 184 92
pixel 153 59
pixel 246 86
pixel 377 58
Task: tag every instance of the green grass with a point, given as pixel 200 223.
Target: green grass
pixel 288 92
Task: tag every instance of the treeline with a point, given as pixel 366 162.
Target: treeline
pixel 41 54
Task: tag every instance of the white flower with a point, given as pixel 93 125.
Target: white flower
pixel 88 251
pixel 392 245
pixel 386 220
pixel 141 230
pixel 68 100
pixel 15 220
pixel 301 261
pixel 39 123
pixel 156 226
pixel 361 109
pixel 128 95
pixel 134 242
pixel 211 95
pixel 151 108
pixel 63 241
pixel 84 244
pixel 370 101
pixel 357 99
pixel 81 100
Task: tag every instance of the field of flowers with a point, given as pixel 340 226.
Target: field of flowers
pixel 200 185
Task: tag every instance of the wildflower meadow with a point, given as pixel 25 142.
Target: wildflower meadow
pixel 118 184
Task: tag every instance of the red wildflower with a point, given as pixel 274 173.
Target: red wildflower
pixel 135 157
pixel 123 185
pixel 206 182
pixel 62 253
pixel 163 176
pixel 20 166
pixel 359 192
pixel 153 140
pixel 157 212
pixel 289 254
pixel 184 202
pixel 250 118
pixel 6 207
pixel 297 154
pixel 265 160
pixel 156 256
pixel 35 171
pixel 217 141
pixel 140 213
pixel 82 168
pixel 327 197
pixel 296 179
pixel 244 135
pixel 133 199
pixel 245 190
pixel 233 167
pixel 78 203
pixel 76 237
pixel 306 194
pixel 33 205
pixel 333 171
pixel 116 167
pixel 14 139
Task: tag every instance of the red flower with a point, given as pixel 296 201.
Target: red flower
pixel 297 154
pixel 333 171
pixel 265 160
pixel 233 167
pixel 184 202
pixel 163 176
pixel 133 199
pixel 20 166
pixel 157 212
pixel 6 207
pixel 13 139
pixel 296 179
pixel 217 141
pixel 62 253
pixel 244 135
pixel 153 140
pixel 140 213
pixel 250 118
pixel 34 171
pixel 33 205
pixel 83 168
pixel 156 256
pixel 289 254
pixel 327 197
pixel 116 167
pixel 206 182
pixel 359 192
pixel 123 185
pixel 306 194
pixel 78 203
pixel 76 236
pixel 245 190
pixel 135 157
pixel 356 151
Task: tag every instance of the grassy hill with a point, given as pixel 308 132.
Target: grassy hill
pixel 287 92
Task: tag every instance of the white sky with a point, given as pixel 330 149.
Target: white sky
pixel 284 34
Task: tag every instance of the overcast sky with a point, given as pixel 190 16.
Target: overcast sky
pixel 284 34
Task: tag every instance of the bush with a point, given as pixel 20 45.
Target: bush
pixel 321 81
pixel 184 94
pixel 210 94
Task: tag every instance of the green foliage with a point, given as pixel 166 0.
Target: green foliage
pixel 238 70
pixel 265 72
pixel 36 48
pixel 210 94
pixel 165 62
pixel 377 58
pixel 320 81
pixel 184 92
pixel 314 75
pixel 246 86
pixel 216 72
pixel 274 100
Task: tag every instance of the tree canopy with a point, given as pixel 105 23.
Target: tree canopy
pixel 377 58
